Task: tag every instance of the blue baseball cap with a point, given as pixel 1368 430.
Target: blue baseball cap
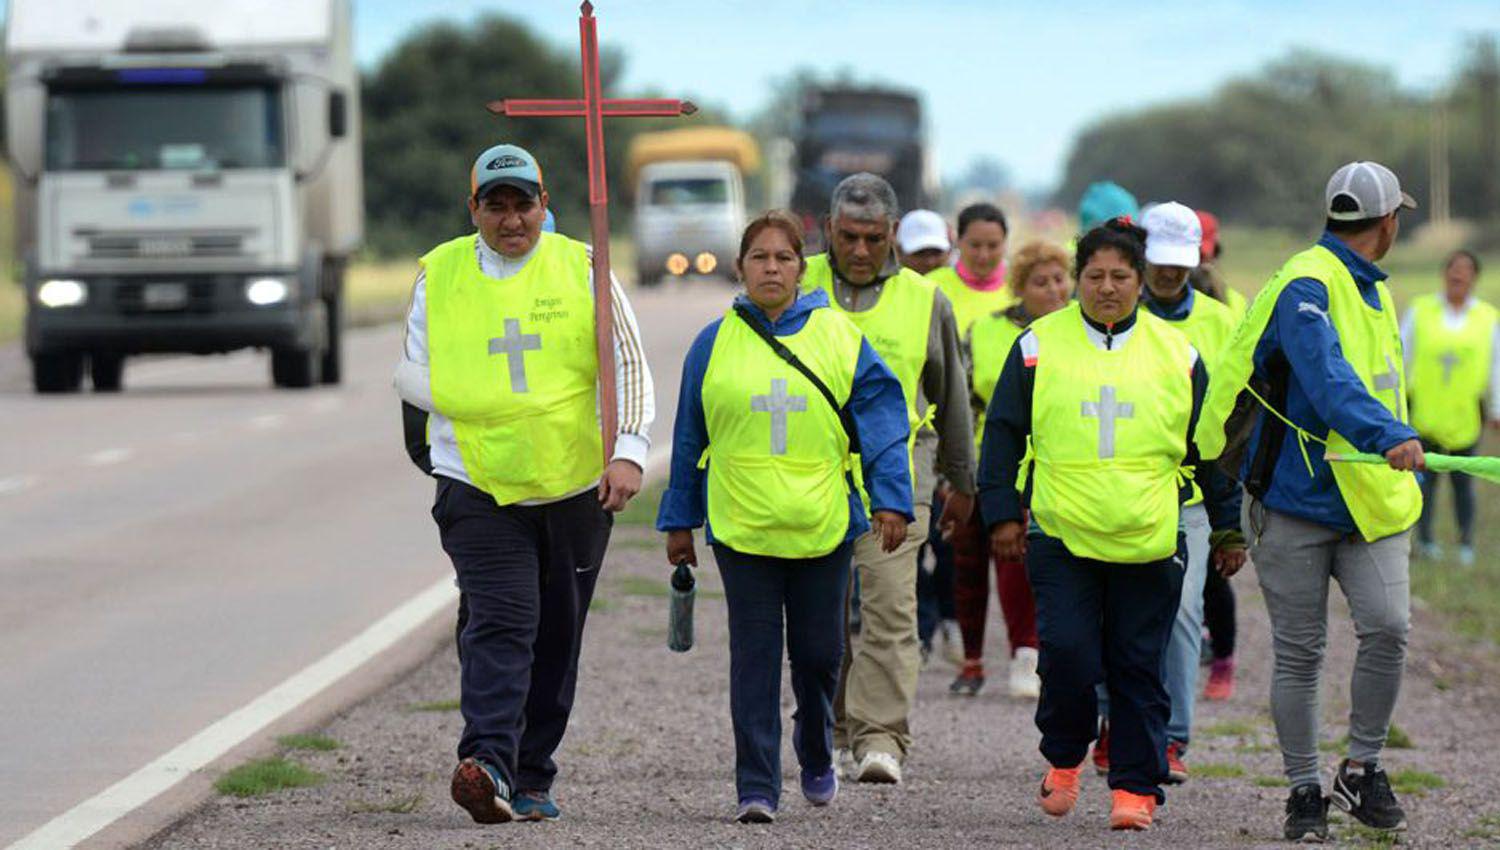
pixel 505 165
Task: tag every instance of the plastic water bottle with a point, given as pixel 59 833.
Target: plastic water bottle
pixel 680 615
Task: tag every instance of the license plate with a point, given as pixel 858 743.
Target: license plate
pixel 164 296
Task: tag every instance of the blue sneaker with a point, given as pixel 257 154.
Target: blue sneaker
pixel 535 805
pixel 482 791
pixel 820 788
pixel 756 810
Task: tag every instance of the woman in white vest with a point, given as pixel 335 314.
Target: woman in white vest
pixel 1106 397
pixel 778 399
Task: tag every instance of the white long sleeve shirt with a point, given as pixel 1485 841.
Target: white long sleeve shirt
pixel 634 391
pixel 1453 320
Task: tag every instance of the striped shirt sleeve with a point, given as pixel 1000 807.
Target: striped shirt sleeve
pixel 634 392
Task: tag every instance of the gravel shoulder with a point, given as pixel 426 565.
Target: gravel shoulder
pixel 648 760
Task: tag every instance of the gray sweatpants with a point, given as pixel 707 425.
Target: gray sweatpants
pixel 1294 560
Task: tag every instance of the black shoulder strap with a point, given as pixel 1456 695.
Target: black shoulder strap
pixel 845 417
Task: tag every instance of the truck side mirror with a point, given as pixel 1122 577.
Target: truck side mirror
pixel 338 114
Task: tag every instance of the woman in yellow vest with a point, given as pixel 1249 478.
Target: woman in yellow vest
pixel 1040 283
pixel 762 457
pixel 1451 342
pixel 976 285
pixel 1106 396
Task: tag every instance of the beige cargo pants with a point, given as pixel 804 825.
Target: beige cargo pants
pixel 878 683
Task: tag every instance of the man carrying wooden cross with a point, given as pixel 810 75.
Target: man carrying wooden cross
pixel 500 351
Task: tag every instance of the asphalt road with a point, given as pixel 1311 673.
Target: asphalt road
pixel 174 551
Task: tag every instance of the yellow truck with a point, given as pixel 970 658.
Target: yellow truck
pixel 689 200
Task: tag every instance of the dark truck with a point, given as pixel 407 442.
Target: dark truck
pixel 847 130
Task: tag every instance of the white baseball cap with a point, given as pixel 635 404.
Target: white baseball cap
pixel 922 230
pixel 1173 235
pixel 1362 190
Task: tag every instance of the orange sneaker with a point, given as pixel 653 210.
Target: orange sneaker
pixel 1101 750
pixel 1220 685
pixel 1059 790
pixel 1131 811
pixel 1177 772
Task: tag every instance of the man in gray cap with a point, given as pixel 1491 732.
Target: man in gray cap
pixel 500 373
pixel 1319 370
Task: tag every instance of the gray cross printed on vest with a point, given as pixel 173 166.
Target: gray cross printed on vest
pixel 1108 409
pixel 514 346
pixel 1449 360
pixel 778 404
pixel 1389 379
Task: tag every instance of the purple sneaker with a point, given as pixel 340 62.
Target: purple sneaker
pixel 756 810
pixel 820 788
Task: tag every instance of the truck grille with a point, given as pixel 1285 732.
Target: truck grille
pixel 130 246
pixel 132 297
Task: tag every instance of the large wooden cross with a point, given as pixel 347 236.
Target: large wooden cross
pixel 593 109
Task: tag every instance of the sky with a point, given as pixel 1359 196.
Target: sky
pixel 1008 80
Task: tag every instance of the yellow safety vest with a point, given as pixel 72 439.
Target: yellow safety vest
pixel 1450 371
pixel 1237 304
pixel 1208 327
pixel 778 454
pixel 1109 434
pixel 897 326
pixel 1381 500
pixel 990 340
pixel 515 367
pixel 969 303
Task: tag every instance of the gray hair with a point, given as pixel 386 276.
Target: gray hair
pixel 864 197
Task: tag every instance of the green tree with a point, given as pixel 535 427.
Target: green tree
pixel 1259 149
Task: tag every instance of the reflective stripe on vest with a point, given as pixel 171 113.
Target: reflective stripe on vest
pixel 1381 500
pixel 514 367
pixel 1109 434
pixel 778 454
pixel 969 303
pixel 1450 372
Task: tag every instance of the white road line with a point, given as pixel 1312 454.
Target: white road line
pixel 137 789
pixel 267 421
pixel 15 484
pixel 108 457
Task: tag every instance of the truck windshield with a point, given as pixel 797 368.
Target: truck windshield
pixel 874 125
pixel 164 127
pixel 683 191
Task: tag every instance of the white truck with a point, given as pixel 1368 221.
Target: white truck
pixel 689 200
pixel 187 179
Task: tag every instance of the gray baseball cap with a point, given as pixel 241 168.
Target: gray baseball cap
pixel 1362 190
pixel 505 165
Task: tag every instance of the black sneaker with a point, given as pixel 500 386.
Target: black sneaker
pixel 1368 797
pixel 1306 814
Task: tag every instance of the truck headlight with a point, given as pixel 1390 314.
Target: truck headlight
pixel 705 263
pixel 62 293
pixel 264 291
pixel 677 264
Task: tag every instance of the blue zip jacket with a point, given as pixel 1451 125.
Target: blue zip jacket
pixel 1221 493
pixel 876 401
pixel 1322 392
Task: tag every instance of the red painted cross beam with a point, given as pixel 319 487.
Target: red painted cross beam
pixel 593 109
